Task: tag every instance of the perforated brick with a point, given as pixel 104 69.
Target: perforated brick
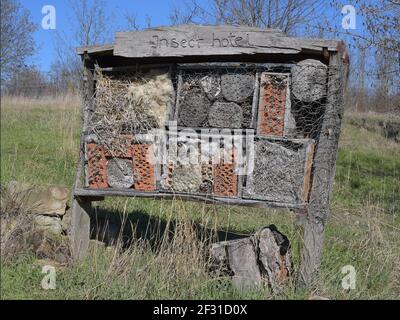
pixel 167 181
pixel 225 179
pixel 143 169
pixel 207 174
pixel 96 166
pixel 272 104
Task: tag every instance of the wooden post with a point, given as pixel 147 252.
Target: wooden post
pixel 323 175
pixel 80 220
pixel 80 231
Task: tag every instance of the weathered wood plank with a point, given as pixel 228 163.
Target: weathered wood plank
pixel 108 48
pixel 209 199
pixel 197 40
pixel 80 220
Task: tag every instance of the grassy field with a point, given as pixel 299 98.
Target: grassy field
pixel 39 143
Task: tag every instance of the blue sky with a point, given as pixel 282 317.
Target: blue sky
pixel 157 10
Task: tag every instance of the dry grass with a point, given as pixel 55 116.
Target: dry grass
pixel 68 101
pixel 16 227
pixel 129 104
pixel 166 257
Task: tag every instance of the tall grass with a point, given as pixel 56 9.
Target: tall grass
pixel 40 139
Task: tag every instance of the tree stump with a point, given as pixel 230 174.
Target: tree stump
pixel 262 259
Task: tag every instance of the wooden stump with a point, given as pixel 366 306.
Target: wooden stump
pixel 262 259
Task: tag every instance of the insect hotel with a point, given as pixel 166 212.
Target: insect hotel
pixel 220 114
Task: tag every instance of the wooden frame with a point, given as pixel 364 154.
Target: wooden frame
pixel 268 50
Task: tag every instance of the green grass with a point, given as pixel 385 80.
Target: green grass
pixel 368 170
pixel 39 143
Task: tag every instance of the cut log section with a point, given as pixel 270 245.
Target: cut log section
pixel 262 259
pixel 309 79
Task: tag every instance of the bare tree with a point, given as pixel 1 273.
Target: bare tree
pixel 287 15
pixel 17 43
pixel 189 12
pixel 131 21
pixel 375 45
pixel 91 24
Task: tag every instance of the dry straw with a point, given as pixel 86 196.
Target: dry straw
pixel 129 103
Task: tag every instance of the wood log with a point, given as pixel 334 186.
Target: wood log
pixel 262 259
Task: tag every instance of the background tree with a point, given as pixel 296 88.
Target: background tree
pixel 17 43
pixel 375 52
pixel 289 15
pixel 91 24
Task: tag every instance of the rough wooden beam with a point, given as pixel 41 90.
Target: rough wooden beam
pixel 80 220
pixel 200 198
pixel 323 175
pixel 104 49
pixel 80 227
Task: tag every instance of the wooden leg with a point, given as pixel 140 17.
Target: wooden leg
pixel 311 254
pixel 80 227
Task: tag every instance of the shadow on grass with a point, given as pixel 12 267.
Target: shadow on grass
pixel 108 226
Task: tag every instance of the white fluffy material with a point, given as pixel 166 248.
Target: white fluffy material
pixel 154 91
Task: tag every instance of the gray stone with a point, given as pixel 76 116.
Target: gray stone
pixel 48 224
pixel 278 173
pixel 225 115
pixel 237 87
pixel 120 173
pixel 92 138
pixel 193 109
pixel 40 199
pixel 66 221
pixel 211 85
pixel 309 78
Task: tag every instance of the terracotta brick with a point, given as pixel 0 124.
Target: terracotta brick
pixel 272 105
pixel 225 179
pixel 143 169
pixel 97 170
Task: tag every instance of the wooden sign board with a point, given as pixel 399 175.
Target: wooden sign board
pixel 189 40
